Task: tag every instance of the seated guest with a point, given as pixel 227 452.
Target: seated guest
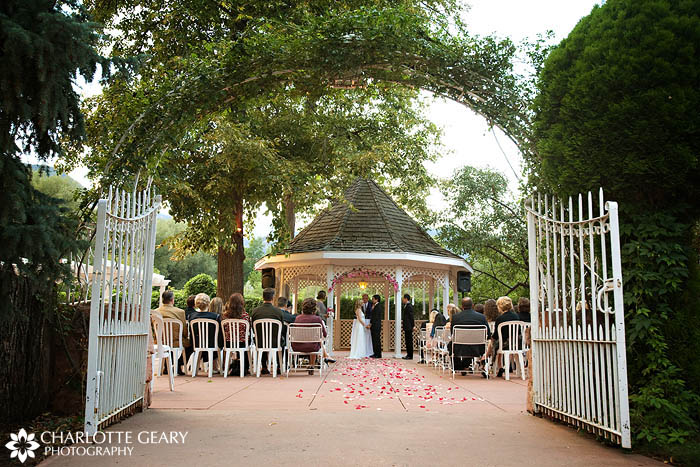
pixel 268 311
pixel 479 308
pixel 506 313
pixel 427 325
pixel 451 311
pixel 190 307
pixel 216 306
pixel 235 309
pixel 201 302
pixel 439 321
pixel 168 310
pixel 491 313
pixel 308 310
pixel 524 309
pixel 283 304
pixel 466 352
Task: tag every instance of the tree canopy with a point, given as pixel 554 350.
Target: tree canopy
pixel 485 224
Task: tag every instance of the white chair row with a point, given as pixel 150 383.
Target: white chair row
pixel 439 352
pixel 204 335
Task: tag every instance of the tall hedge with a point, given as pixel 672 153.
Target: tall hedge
pixel 618 108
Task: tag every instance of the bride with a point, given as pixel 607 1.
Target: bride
pixel 361 338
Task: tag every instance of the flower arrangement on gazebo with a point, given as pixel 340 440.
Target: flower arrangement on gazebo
pixel 363 274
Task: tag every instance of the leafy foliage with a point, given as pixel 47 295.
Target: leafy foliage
pixel 486 225
pixel 61 187
pixel 618 108
pixel 181 269
pixel 201 283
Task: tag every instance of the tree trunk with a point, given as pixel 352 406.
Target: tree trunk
pixel 229 272
pixel 289 213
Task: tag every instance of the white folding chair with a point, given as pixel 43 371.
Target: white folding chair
pixel 304 333
pixel 423 346
pixel 472 335
pixel 514 346
pixel 202 332
pixel 267 340
pixel 232 346
pixel 173 327
pixel 437 338
pixel 161 351
pixel 443 352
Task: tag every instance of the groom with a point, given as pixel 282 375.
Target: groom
pixel 376 326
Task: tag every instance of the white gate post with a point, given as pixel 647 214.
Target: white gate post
pixel 397 315
pixel 92 389
pixel 619 324
pixel 534 302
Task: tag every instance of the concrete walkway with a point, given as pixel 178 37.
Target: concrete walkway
pixel 371 412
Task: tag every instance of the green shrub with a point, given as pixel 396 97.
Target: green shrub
pixel 252 303
pixel 155 299
pixel 180 298
pixel 201 283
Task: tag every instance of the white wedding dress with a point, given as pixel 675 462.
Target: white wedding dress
pixel 361 338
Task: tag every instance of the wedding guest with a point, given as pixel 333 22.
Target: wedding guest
pixel 283 304
pixel 308 310
pixel 491 313
pixel 235 309
pixel 479 308
pixel 524 309
pixel 268 311
pixel 216 306
pixel 466 352
pixel 408 323
pixel 506 313
pixel 168 310
pixel 190 307
pixel 439 321
pixel 201 302
pixel 427 325
pixel 321 308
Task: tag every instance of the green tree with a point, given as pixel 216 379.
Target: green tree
pixel 61 187
pixel 179 270
pixel 617 108
pixel 255 250
pixel 44 47
pixel 485 224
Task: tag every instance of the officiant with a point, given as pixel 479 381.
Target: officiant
pixel 408 323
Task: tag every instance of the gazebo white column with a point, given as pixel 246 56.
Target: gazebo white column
pixel 397 314
pixel 386 300
pixel 445 293
pixel 330 300
pixel 431 299
pixel 295 295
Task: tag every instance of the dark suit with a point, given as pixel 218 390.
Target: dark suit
pixel 269 311
pixel 408 322
pixel 466 352
pixel 376 328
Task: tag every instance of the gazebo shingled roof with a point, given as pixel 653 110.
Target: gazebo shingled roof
pixel 367 220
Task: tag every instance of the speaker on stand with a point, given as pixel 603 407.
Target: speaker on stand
pixel 464 282
pixel 268 278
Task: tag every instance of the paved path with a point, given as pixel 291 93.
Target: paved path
pixel 372 412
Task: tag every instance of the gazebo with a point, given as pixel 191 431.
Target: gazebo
pixel 366 243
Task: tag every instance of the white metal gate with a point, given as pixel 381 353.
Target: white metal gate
pixel 120 306
pixel 578 332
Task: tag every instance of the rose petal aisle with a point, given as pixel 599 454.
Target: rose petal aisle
pixel 381 384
